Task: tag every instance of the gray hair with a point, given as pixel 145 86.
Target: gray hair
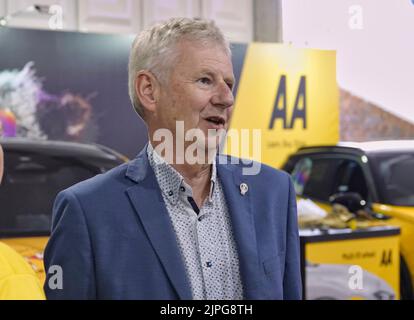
pixel 153 49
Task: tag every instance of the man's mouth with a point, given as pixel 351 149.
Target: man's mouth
pixel 216 120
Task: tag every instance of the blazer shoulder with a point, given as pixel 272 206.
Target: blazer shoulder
pixel 254 169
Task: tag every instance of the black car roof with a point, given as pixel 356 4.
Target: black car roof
pixel 61 148
pixel 360 148
pixel 329 149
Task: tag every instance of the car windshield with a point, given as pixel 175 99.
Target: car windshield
pixel 394 173
pixel 29 187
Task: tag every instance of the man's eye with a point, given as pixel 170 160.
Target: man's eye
pixel 204 80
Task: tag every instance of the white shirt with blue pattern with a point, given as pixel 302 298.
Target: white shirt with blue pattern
pixel 204 235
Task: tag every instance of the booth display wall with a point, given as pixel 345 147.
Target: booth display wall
pixel 90 68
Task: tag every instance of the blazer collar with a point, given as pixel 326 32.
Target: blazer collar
pixel 149 206
pixel 240 208
pixel 138 168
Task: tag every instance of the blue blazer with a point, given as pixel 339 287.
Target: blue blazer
pixel 113 238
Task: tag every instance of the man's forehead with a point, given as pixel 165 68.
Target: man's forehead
pixel 187 46
pixel 210 56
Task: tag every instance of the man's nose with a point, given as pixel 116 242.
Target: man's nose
pixel 223 96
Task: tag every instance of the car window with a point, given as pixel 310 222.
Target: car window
pixel 394 175
pixel 301 173
pixel 350 178
pixel 30 185
pixel 315 177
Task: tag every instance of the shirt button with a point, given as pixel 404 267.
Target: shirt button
pixel 209 264
pixel 182 189
pixel 170 193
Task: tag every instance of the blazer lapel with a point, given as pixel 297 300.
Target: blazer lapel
pixel 150 207
pixel 243 228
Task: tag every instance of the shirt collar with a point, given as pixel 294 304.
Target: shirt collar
pixel 170 180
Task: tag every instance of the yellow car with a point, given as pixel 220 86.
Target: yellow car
pixel 35 171
pixel 380 173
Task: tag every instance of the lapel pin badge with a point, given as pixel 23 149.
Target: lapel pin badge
pixel 244 188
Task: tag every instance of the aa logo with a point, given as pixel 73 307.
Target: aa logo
pixel 386 258
pixel 280 106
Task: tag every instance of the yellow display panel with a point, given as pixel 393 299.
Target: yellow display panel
pixel 353 269
pixel 291 96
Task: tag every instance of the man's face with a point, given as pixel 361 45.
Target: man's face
pixel 198 90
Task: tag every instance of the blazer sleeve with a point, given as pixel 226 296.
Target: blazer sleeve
pixel 292 281
pixel 68 257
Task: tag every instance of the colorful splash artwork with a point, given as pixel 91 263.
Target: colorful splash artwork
pixel 7 123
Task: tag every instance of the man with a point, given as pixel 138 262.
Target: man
pixel 170 225
pixel 17 280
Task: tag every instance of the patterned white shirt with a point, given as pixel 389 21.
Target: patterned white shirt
pixel 204 235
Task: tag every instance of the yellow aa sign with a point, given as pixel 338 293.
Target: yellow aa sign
pixel 291 96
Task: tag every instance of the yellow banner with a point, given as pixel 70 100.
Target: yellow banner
pixel 291 96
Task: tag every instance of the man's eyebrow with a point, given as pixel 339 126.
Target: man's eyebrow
pixel 208 71
pixel 214 72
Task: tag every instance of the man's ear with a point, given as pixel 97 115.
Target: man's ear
pixel 147 89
